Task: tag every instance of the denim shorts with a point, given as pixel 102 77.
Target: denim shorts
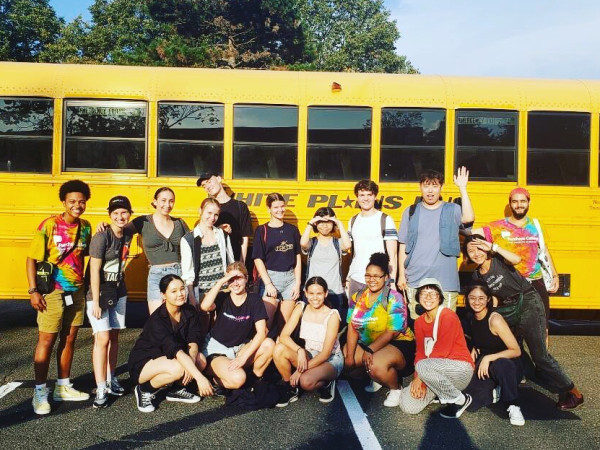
pixel 284 283
pixel 155 275
pixel 336 360
pixel 213 347
pixel 111 318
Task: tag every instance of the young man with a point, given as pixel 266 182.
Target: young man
pixel 371 232
pixel 519 234
pixel 234 218
pixel 63 241
pixel 429 238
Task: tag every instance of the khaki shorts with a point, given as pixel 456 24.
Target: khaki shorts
pixel 58 315
pixel 450 300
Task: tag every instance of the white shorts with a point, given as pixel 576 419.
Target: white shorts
pixel 111 319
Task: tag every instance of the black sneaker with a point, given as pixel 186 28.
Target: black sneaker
pixel 144 400
pixel 290 395
pixel 327 392
pixel 220 391
pixel 101 400
pixel 454 411
pixel 182 395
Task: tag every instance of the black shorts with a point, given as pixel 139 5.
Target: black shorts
pixel 135 370
pixel 408 350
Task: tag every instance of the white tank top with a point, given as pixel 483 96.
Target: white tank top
pixel 314 334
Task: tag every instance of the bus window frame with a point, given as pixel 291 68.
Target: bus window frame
pixel 183 141
pixel 49 137
pixel 516 146
pixel 65 106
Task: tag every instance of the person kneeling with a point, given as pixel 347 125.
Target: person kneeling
pixel 238 339
pixel 167 350
pixel 320 362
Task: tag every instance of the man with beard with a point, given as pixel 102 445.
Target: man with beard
pixel 519 235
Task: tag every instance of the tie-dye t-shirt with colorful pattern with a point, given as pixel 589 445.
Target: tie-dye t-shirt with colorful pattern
pixel 370 321
pixel 523 241
pixel 54 237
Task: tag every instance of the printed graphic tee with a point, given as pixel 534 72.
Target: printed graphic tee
pixel 235 324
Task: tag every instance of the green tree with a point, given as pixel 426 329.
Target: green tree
pixel 27 27
pixel 352 35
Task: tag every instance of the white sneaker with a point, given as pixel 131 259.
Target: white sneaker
pixel 393 398
pixel 40 401
pixel 515 415
pixel 373 386
pixel 68 393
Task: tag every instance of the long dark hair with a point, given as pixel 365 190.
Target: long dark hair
pixel 320 281
pixel 478 284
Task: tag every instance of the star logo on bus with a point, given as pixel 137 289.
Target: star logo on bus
pixel 348 202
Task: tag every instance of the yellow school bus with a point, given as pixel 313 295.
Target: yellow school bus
pixel 310 136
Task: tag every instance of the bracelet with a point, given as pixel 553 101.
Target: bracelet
pixel 495 248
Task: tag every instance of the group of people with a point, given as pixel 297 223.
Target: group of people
pixel 214 327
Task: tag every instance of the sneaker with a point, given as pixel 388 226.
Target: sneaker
pixel 220 391
pixel 101 400
pixel 182 395
pixel 393 398
pixel 68 393
pixel 373 386
pixel 571 401
pixel 454 411
pixel 289 396
pixel 327 392
pixel 40 401
pixel 115 388
pixel 496 393
pixel 515 415
pixel 144 400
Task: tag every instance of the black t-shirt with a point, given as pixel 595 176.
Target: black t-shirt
pixel 235 324
pixel 503 279
pixel 236 214
pixel 283 244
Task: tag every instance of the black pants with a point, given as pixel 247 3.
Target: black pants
pixel 504 372
pixel 540 287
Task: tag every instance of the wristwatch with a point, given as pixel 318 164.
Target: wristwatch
pixel 32 290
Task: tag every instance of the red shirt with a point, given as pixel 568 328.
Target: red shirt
pixel 451 343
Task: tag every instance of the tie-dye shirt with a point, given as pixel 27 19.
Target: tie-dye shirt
pixel 523 241
pixel 372 321
pixel 54 237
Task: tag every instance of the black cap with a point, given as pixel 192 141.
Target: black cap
pixel 120 201
pixel 205 176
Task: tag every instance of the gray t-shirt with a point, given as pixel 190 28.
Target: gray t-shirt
pixel 325 262
pixel 160 249
pixel 427 261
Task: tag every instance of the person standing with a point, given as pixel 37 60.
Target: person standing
pixel 63 241
pixel 234 218
pixel 429 238
pixel 371 231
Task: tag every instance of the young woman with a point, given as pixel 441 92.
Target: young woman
pixel 238 339
pixel 379 339
pixel 161 237
pixel 324 252
pixel 167 351
pixel 205 253
pixel 108 254
pixel 276 254
pixel 443 363
pixel 523 309
pixel 320 361
pixel 496 353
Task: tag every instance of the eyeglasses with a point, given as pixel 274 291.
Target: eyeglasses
pixel 429 294
pixel 369 276
pixel 477 299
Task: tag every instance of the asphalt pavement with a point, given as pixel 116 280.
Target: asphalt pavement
pixel 305 424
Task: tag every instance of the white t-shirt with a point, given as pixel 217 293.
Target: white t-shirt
pixel 366 237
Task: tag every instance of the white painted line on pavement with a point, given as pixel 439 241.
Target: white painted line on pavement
pixel 363 430
pixel 9 387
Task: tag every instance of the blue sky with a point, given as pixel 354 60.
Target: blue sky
pixel 507 38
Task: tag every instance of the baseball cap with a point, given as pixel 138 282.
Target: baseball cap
pixel 205 176
pixel 120 201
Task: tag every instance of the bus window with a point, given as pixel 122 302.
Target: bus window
pixel 486 144
pixel 558 148
pixel 26 135
pixel 412 140
pixel 339 143
pixel 105 135
pixel 190 139
pixel 265 141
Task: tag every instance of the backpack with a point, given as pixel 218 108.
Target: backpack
pixel 385 295
pixel 311 249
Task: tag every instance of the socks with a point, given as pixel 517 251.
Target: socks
pixel 147 387
pixel 39 387
pixel 63 381
pixel 101 386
